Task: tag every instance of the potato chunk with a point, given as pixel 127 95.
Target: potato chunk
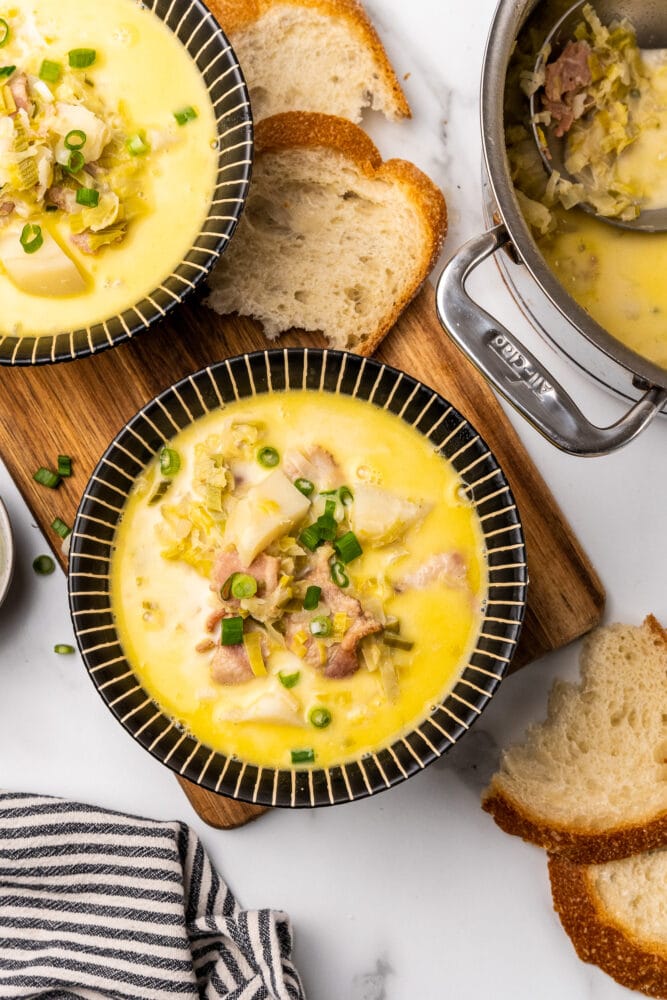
pixel 266 512
pixel 380 516
pixel 49 271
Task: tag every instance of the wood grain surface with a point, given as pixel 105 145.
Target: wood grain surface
pixel 76 408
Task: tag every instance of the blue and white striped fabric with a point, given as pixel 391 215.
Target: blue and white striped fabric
pixel 97 905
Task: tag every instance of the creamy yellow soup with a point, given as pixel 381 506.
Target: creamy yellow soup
pixel 162 603
pixel 142 76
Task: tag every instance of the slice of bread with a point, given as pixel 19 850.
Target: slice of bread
pixel 616 916
pixel 311 55
pixel 332 239
pixel 590 783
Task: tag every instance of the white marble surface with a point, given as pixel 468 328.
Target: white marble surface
pixel 415 893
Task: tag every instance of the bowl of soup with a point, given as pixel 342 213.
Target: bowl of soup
pixel 297 577
pixel 121 181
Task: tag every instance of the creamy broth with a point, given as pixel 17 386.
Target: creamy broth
pixel 144 74
pixel 162 604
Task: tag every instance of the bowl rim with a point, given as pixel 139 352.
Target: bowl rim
pixel 6 543
pixel 211 388
pixel 207 44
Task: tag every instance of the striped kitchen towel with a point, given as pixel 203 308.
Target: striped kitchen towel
pixel 97 905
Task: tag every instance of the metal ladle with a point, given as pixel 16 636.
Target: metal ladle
pixel 649 20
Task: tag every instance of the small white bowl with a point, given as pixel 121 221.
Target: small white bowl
pixel 6 552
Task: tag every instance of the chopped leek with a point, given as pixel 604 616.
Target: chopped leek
pixel 50 72
pixel 289 680
pixel 303 756
pixel 136 145
pixel 60 528
pixel 81 58
pixel 170 462
pixel 45 477
pixel 312 598
pixel 88 197
pixel 252 643
pixel 231 631
pixel 5 33
pixel 43 565
pixel 395 642
pixel 31 239
pixel 160 492
pixel 320 717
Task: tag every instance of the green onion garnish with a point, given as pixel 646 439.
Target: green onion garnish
pixel 82 58
pixel 61 528
pixel 348 547
pixel 31 238
pixel 326 527
pixel 75 162
pixel 64 466
pixel 289 680
pixel 243 585
pixel 88 197
pixel 63 649
pixel 160 492
pixel 268 457
pixel 392 625
pixel 50 208
pixel 4 32
pixel 6 71
pixel 45 477
pixel 310 537
pixel 303 756
pixel 76 139
pixel 395 642
pixel 170 462
pixel 185 115
pixel 50 71
pixel 136 145
pixel 338 574
pixel 345 495
pixel 305 486
pixel 312 598
pixel 43 565
pixel 321 626
pixel 320 717
pixel 232 631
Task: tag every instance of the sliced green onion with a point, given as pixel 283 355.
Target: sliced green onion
pixel 6 71
pixel 268 457
pixel 289 680
pixel 45 477
pixel 395 642
pixel 60 528
pixel 31 238
pixel 312 598
pixel 328 493
pixel 345 495
pixel 232 631
pixel 64 466
pixel 136 145
pixel 160 492
pixel 305 486
pixel 76 161
pixel 310 537
pixel 338 574
pixel 170 462
pixel 320 717
pixel 303 756
pixel 50 208
pixel 326 526
pixel 348 547
pixel 81 58
pixel 329 509
pixel 185 115
pixel 43 565
pixel 5 33
pixel 243 585
pixel 76 139
pixel 63 649
pixel 50 72
pixel 88 197
pixel 392 625
pixel 321 626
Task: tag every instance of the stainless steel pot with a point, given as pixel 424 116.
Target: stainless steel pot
pixel 496 352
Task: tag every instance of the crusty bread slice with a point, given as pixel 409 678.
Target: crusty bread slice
pixel 616 916
pixel 590 783
pixel 332 239
pixel 311 55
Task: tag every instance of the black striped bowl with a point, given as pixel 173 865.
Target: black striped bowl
pixel 205 41
pixel 272 371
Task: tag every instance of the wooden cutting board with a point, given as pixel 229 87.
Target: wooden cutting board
pixel 77 407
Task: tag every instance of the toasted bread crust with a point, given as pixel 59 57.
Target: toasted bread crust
pixel 595 937
pixel 235 15
pixel 310 130
pixel 577 846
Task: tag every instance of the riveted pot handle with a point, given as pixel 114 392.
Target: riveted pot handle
pixel 516 373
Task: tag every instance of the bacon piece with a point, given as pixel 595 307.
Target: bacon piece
pixel 63 198
pixel 344 659
pixel 566 78
pixel 444 567
pixel 19 89
pixel 6 208
pixel 315 464
pixel 230 665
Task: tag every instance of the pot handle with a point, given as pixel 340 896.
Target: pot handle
pixel 516 374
